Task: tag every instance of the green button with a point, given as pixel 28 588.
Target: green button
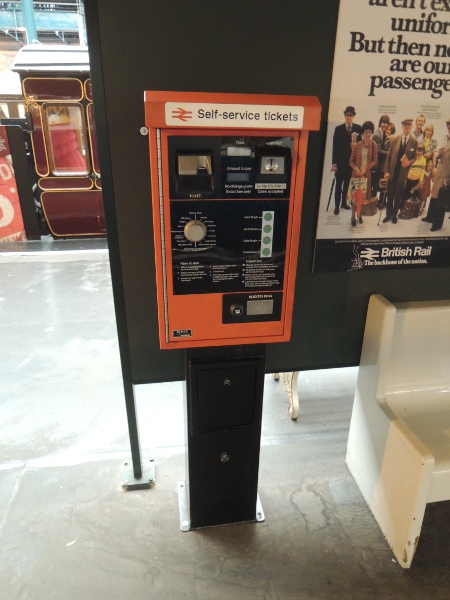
pixel 267 228
pixel 267 240
pixel 268 217
pixel 266 252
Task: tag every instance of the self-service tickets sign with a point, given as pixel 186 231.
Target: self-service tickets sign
pixel 11 222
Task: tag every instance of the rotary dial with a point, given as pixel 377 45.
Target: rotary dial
pixel 195 231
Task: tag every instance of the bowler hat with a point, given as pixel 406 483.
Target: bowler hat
pixel 350 110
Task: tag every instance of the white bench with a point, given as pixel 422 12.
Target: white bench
pixel 399 441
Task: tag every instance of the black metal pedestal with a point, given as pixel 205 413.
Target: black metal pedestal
pixel 224 394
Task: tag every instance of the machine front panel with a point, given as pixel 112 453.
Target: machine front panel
pixel 226 206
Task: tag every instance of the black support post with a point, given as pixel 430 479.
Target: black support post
pixel 224 396
pixel 139 474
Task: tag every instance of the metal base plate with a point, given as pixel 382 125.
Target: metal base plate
pixel 129 482
pixel 183 505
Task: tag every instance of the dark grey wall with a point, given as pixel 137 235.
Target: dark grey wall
pixel 257 46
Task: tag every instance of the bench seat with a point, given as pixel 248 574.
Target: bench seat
pixel 399 440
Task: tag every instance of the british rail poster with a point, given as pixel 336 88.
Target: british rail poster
pixel 384 199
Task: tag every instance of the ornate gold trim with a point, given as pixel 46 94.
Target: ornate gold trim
pixel 45 141
pixel 48 137
pixel 85 92
pixel 66 189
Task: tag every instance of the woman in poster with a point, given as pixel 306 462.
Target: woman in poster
pixel 430 145
pixel 364 158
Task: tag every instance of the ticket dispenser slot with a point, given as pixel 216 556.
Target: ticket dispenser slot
pixel 192 163
pixel 194 173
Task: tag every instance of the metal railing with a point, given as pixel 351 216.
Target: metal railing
pixel 57 19
pixel 42 6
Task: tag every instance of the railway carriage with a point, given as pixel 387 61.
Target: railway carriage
pixel 57 93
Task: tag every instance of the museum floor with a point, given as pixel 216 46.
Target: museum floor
pixel 69 532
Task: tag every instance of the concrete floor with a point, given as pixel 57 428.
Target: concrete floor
pixel 69 532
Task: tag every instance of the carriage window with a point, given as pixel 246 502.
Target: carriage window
pixel 39 89
pixel 66 139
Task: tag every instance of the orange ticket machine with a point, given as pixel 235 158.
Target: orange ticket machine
pixel 227 183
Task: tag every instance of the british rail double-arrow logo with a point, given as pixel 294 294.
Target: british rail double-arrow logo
pixel 183 115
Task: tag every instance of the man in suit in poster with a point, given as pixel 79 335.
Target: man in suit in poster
pixel 383 142
pixel 344 138
pixel 436 209
pixel 400 156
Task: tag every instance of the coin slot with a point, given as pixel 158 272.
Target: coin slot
pixel 272 165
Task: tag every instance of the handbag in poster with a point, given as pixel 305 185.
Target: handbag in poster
pixel 388 125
